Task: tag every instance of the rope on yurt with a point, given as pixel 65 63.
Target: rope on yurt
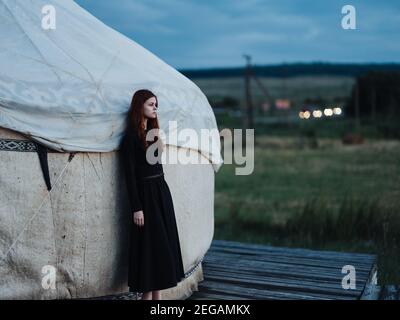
pixel 4 255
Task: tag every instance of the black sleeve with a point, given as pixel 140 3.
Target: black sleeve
pixel 129 164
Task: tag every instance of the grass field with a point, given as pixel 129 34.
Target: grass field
pixel 331 196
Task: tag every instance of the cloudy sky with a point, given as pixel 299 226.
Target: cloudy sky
pixel 216 33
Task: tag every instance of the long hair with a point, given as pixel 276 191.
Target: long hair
pixel 136 116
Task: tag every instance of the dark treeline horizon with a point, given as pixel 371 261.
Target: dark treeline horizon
pixel 294 69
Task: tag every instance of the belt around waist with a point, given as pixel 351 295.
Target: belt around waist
pixel 153 176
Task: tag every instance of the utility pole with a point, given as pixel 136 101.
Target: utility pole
pixel 248 117
pixel 262 88
pixel 357 106
pixel 373 105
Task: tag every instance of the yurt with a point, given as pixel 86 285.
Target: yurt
pixel 66 82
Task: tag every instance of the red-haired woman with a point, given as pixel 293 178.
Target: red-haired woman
pixel 155 260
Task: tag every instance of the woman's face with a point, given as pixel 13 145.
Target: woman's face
pixel 150 108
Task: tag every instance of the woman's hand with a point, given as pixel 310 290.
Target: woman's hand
pixel 138 218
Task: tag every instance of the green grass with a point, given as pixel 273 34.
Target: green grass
pixel 332 197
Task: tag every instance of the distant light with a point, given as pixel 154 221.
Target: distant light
pixel 328 112
pixel 337 110
pixel 306 114
pixel 317 113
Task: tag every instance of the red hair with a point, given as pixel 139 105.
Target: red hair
pixel 136 115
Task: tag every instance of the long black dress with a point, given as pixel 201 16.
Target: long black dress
pixel 155 260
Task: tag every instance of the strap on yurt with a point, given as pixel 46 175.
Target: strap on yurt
pixel 32 146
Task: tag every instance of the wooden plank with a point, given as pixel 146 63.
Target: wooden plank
pixel 219 245
pixel 286 286
pixel 283 286
pixel 292 251
pixel 283 257
pixel 256 293
pixel 317 276
pixel 301 259
pixel 259 266
pixel 267 264
pixel 285 280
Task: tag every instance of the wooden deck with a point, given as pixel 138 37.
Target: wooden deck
pixel 245 271
pixel 236 270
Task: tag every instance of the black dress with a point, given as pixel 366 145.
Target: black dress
pixel 155 260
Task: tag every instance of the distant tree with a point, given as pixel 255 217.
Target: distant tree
pixel 223 102
pixel 378 95
pixel 229 102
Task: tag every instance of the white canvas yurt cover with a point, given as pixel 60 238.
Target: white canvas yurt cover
pixel 69 89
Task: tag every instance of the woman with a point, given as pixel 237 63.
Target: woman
pixel 155 260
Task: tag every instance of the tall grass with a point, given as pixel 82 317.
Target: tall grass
pixel 356 225
pixel 355 220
